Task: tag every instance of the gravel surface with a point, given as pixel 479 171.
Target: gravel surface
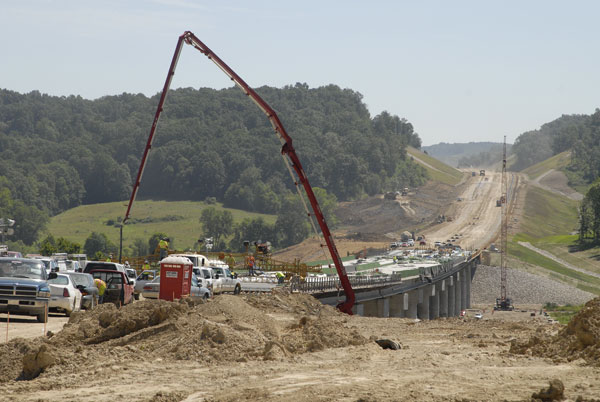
pixel 523 288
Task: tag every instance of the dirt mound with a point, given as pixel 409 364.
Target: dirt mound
pixel 226 329
pixel 580 339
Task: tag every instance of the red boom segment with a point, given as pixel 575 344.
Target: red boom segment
pixel 287 149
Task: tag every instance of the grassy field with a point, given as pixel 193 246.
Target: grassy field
pixel 178 219
pixel 557 162
pixel 444 173
pixel 562 314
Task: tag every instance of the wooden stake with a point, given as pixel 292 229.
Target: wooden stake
pixel 7 321
pixel 45 317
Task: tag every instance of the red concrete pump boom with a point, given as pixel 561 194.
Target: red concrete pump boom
pixel 287 150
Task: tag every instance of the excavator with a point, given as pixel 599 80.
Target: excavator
pixel 287 150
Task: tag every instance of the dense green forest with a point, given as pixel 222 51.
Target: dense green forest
pixel 578 133
pixel 453 153
pixel 61 152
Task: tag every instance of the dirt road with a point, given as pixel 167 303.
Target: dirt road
pixel 27 327
pixel 476 218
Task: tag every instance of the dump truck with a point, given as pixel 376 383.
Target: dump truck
pixel 482 172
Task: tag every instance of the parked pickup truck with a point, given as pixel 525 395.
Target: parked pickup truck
pixel 225 282
pixel 119 289
pixel 23 287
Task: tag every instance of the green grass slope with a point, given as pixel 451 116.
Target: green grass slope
pixel 437 170
pixel 547 221
pixel 179 219
pixel 557 162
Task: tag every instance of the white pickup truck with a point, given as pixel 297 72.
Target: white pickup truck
pixel 225 282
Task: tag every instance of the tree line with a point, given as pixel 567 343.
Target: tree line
pixel 61 152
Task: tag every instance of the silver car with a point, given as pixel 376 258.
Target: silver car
pixel 151 290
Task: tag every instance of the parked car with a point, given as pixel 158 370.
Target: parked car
pixel 87 287
pixel 145 277
pixel 64 295
pixel 225 282
pixel 410 243
pixel 438 244
pixel 23 287
pixel 422 243
pixel 118 288
pixel 50 264
pixel 479 316
pixel 394 244
pixel 114 266
pixel 151 290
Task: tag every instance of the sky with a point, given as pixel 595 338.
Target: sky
pixel 459 71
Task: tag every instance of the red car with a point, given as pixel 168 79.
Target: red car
pixel 119 289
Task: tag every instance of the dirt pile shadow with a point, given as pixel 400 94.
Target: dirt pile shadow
pixel 580 339
pixel 226 329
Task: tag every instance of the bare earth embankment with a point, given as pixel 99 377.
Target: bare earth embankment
pixel 286 348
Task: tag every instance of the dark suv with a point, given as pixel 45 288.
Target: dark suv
pixel 23 287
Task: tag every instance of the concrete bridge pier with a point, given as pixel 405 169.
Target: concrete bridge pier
pixel 451 282
pixel 425 294
pixel 411 306
pixel 468 271
pixel 397 305
pixel 442 288
pixel 463 288
pixel 383 307
pixel 358 309
pixel 458 294
pixel 434 302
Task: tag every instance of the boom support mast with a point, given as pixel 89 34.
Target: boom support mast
pixel 287 150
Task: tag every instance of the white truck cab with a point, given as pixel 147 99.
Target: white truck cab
pixel 225 282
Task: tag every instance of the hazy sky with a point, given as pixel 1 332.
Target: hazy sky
pixel 459 71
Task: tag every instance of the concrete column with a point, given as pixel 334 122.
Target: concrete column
pixel 397 306
pixel 423 306
pixel 451 296
pixel 443 289
pixel 413 301
pixel 383 307
pixel 370 308
pixel 359 309
pixel 463 289
pixel 458 294
pixel 469 273
pixel 434 302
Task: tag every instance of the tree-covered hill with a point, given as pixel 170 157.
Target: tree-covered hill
pixel 577 133
pixel 61 152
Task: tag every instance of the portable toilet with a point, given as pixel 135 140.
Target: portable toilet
pixel 175 278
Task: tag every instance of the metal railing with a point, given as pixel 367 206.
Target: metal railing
pixel 316 284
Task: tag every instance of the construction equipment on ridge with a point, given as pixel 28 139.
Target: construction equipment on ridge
pixel 287 149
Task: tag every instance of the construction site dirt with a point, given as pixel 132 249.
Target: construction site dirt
pixel 289 347
pixel 374 222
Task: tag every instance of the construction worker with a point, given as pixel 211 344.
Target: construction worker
pixel 101 285
pixel 163 245
pixel 251 265
pixel 280 276
pixel 146 266
pixel 109 258
pixel 231 262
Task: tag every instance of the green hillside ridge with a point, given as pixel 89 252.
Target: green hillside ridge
pixel 178 219
pixel 557 162
pixel 437 170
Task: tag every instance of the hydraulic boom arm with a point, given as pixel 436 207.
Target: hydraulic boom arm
pixel 287 149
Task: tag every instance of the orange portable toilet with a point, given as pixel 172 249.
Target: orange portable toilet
pixel 175 278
